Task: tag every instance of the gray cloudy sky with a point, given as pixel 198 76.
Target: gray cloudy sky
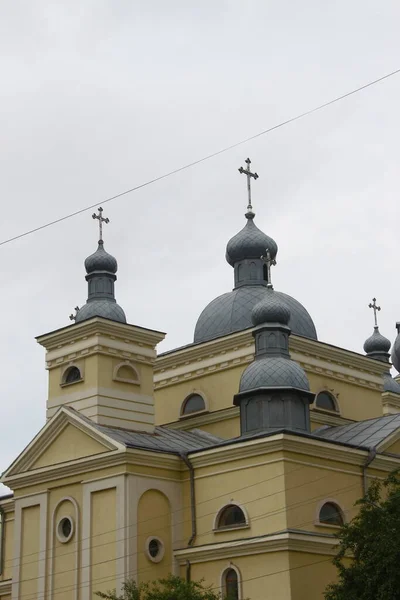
pixel 98 96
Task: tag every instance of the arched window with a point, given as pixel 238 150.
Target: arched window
pixel 326 401
pixel 230 516
pixel 193 403
pixel 230 585
pixel 71 375
pixel 126 373
pixel 330 514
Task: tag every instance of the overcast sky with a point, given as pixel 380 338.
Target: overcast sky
pixel 98 96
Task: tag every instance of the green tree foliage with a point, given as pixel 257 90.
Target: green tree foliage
pixel 372 539
pixel 171 588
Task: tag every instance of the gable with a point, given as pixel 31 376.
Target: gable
pixel 70 444
pixel 393 447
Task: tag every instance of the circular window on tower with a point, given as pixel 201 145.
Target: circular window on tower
pixel 65 530
pixel 154 549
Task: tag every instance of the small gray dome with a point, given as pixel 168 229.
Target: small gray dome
pixel 390 384
pixel 271 309
pixel 101 261
pixel 101 308
pixel 232 312
pixel 250 242
pixel 273 372
pixel 376 343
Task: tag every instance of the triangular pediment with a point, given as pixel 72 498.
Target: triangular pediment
pixel 65 438
pixel 391 444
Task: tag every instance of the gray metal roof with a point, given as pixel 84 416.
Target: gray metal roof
pixel 232 312
pixel 250 242
pixel 271 309
pixel 366 434
pixel 108 309
pixel 162 440
pixel 274 372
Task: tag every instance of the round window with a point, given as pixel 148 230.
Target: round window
pixel 154 549
pixel 65 529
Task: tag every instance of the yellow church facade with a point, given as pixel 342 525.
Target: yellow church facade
pixel 234 459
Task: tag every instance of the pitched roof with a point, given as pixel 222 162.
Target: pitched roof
pixel 367 434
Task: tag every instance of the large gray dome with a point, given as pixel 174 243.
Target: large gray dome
pixel 232 312
pixel 101 308
pixel 273 372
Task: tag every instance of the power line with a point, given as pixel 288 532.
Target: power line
pixel 201 160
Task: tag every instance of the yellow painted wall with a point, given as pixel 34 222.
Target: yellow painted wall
pixel 310 574
pixel 307 486
pixel 258 487
pixel 30 552
pixel 70 444
pixel 103 539
pixel 393 448
pixel 264 576
pixel 8 597
pixel 154 519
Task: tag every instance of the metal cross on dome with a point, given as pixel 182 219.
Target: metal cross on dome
pixel 269 262
pixel 101 221
pixel 375 308
pixel 249 175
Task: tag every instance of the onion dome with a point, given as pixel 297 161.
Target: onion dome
pixel 396 350
pixel 101 270
pixel 376 343
pixel 270 309
pixel 250 242
pixel 101 261
pixel 390 384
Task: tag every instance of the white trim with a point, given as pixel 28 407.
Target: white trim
pixel 183 415
pixel 218 515
pixel 223 580
pixel 40 500
pixel 126 363
pixel 334 398
pixel 59 533
pixel 318 510
pixel 158 558
pixel 52 545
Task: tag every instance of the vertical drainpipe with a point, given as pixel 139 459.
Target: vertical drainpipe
pixel 191 541
pixel 370 458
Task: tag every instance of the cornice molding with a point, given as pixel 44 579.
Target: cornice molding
pixel 5 587
pixel 98 326
pixel 282 541
pixel 7 505
pixel 226 353
pixel 390 400
pixel 324 418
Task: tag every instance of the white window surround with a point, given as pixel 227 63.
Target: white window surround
pixel 160 555
pixel 318 523
pixel 197 412
pixel 59 533
pixel 224 528
pixel 53 534
pixel 325 410
pixel 134 380
pixel 65 371
pixel 239 576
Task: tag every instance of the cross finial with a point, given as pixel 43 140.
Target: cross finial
pixel 249 175
pixel 73 316
pixel 269 262
pixel 375 308
pixel 101 221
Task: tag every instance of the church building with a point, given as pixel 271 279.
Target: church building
pixel 234 459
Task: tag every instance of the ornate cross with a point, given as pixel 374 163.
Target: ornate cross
pixel 375 309
pixel 101 221
pixel 249 175
pixel 269 262
pixel 73 316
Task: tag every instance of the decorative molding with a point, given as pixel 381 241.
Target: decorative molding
pixel 205 418
pixel 327 418
pixel 215 527
pixel 126 363
pixel 318 510
pixel 281 541
pixel 390 403
pixel 229 566
pixel 53 533
pixel 7 505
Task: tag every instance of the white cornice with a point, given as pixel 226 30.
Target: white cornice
pixel 7 505
pixel 5 587
pixel 227 352
pixel 98 326
pixel 284 541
